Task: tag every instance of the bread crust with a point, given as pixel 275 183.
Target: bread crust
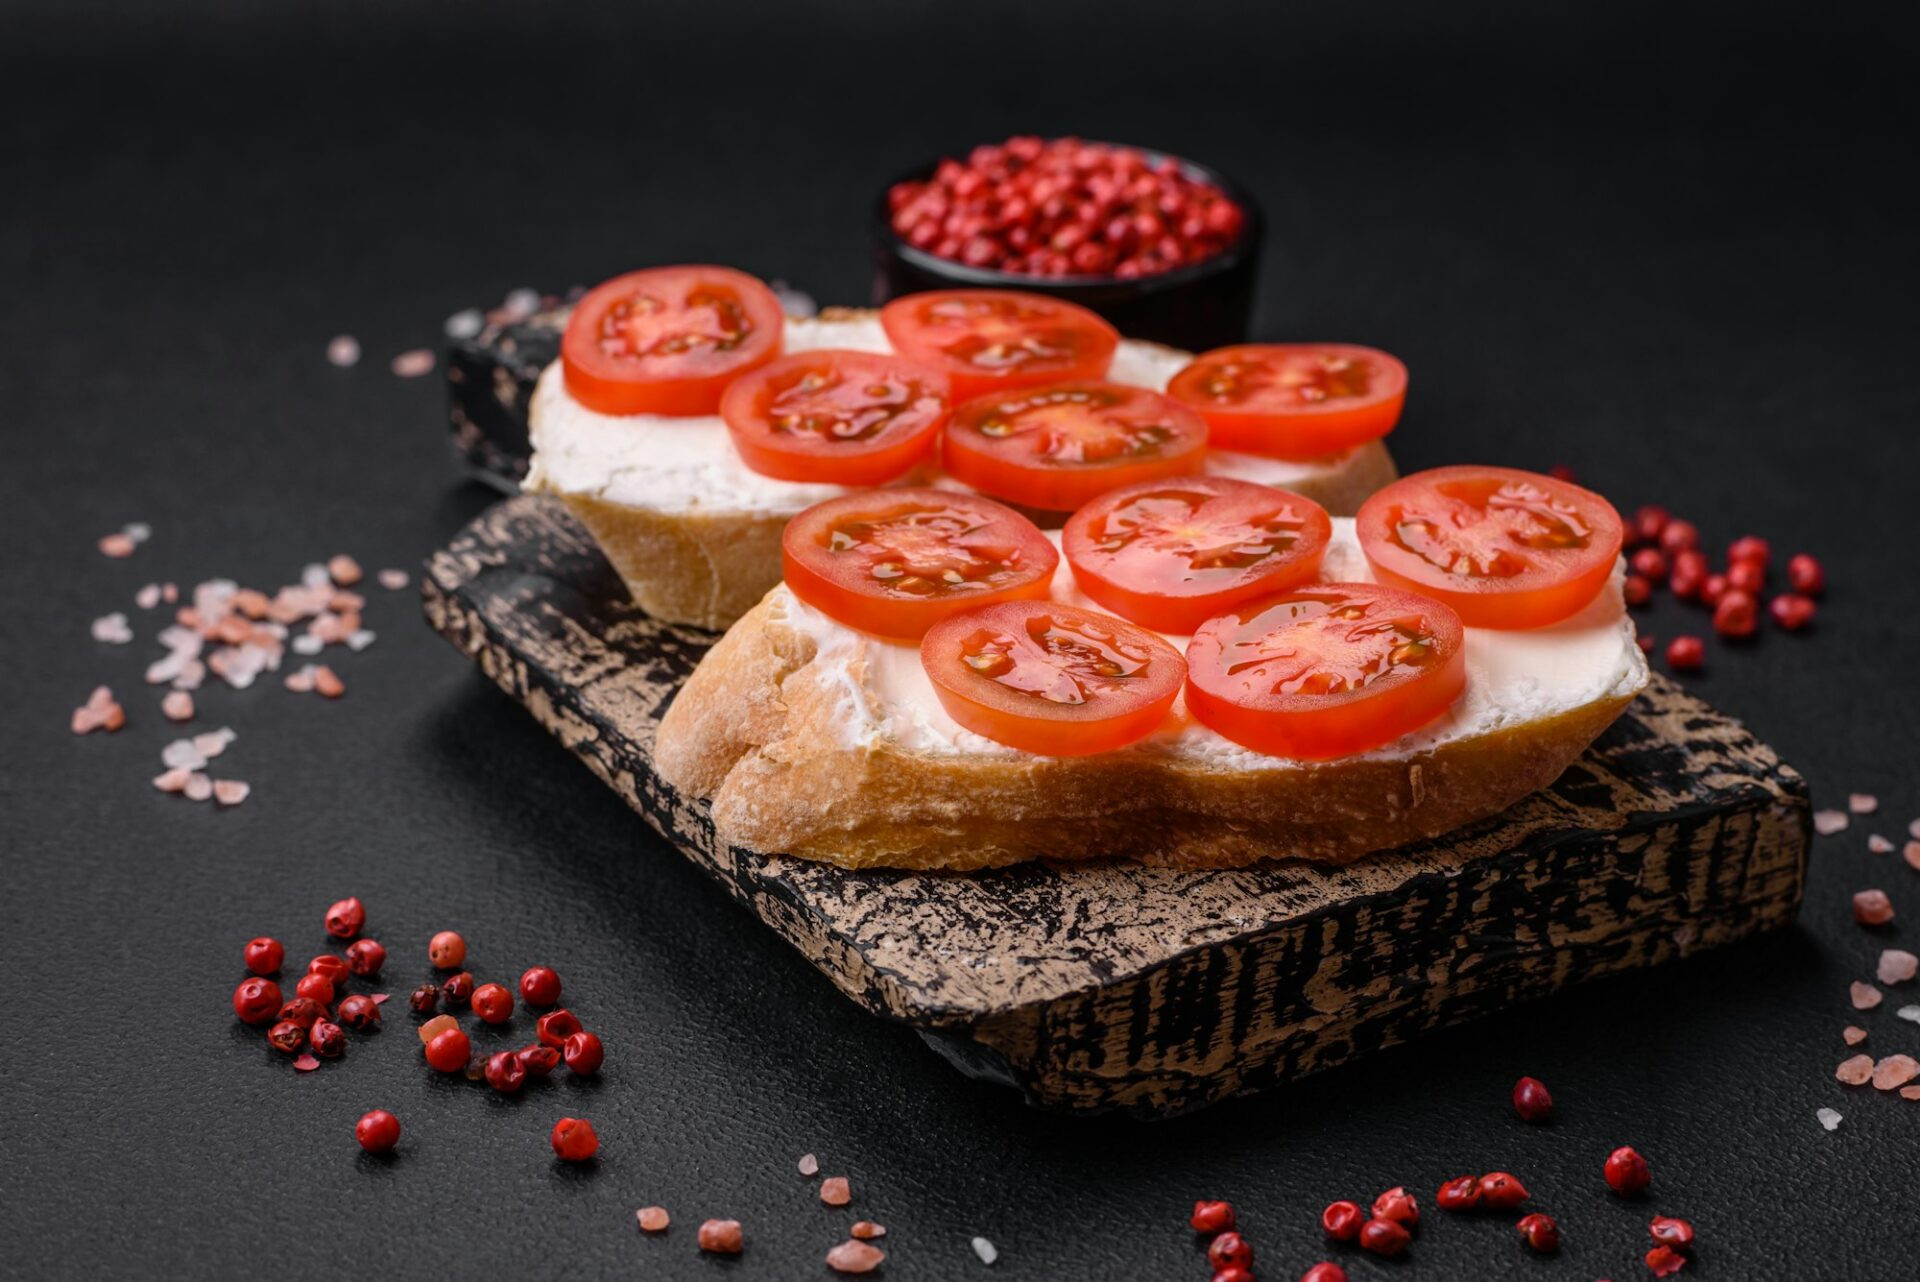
pixel 707 568
pixel 756 733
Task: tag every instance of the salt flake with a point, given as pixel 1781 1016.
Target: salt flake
pixel 653 1219
pixel 1828 822
pixel 1855 1070
pixel 1909 1013
pixel 1894 1072
pixel 148 597
pixel 412 364
pixel 1879 845
pixel 343 350
pixel 834 1191
pixel 357 641
pixel 230 792
pixel 1829 1118
pixel 1853 1034
pixel 182 755
pixel 985 1250
pixel 465 324
pixel 177 706
pixel 394 580
pixel 112 629
pixel 808 1165
pixel 1862 803
pixel 1897 966
pixel 1865 996
pixel 854 1256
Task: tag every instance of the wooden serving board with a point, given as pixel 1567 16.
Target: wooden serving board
pixel 1116 986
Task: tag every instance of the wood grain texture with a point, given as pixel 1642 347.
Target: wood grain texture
pixel 1159 990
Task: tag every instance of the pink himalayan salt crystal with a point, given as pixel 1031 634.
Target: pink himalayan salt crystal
pixel 99 712
pixel 177 706
pixel 117 546
pixel 1872 907
pixel 853 1256
pixel 1911 853
pixel 1828 822
pixel 343 351
pixel 148 597
pixel 1879 845
pixel 1895 1071
pixel 834 1191
pixel 809 1165
pixel 326 683
pixel 413 363
pixel 1862 803
pixel 174 780
pixel 653 1219
pixel 1913 830
pixel 344 570
pixel 1855 1071
pixel 1865 996
pixel 1853 1034
pixel 1910 1092
pixel 864 1229
pixel 1897 966
pixel 230 792
pixel 393 580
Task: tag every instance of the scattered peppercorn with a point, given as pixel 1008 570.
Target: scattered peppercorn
pixel 359 1012
pixel 334 968
pixel 424 999
pixel 345 918
pixel 1325 1271
pixel 316 986
pixel 506 1072
pixel 302 1011
pixel 540 986
pixel 492 1003
pixel 1500 1191
pixel 1230 1250
pixel 1671 1231
pixel 264 956
pixel 1791 611
pixel 449 1051
pixel 378 1131
pixel 574 1141
pixel 1531 1100
pixel 1540 1232
pixel 1664 1261
pixel 555 1027
pixel 583 1053
pixel 1384 1237
pixel 446 950
pixel 1679 536
pixel 1686 654
pixel 288 1036
pixel 1212 1217
pixel 1650 564
pixel 457 991
pixel 1750 550
pixel 1342 1220
pixel 1736 615
pixel 1805 575
pixel 1626 1172
pixel 540 1060
pixel 1398 1205
pixel 328 1039
pixel 256 1000
pixel 1462 1194
pixel 365 957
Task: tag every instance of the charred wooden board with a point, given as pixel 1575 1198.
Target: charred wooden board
pixel 490 381
pixel 1156 990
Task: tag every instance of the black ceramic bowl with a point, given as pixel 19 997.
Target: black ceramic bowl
pixel 1207 304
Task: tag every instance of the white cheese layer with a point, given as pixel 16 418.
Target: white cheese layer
pixel 682 465
pixel 1513 678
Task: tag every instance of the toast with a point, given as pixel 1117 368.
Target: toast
pixel 815 740
pixel 695 534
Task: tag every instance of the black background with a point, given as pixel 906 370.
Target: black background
pixel 1664 245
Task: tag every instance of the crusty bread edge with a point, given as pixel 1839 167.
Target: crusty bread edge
pixel 708 568
pixel 756 733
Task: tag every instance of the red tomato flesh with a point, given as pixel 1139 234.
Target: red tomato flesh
pixel 1051 679
pixel 895 562
pixel 1326 670
pixel 1172 554
pixel 668 340
pixel 849 418
pixel 1058 446
pixel 985 339
pixel 1294 400
pixel 1504 548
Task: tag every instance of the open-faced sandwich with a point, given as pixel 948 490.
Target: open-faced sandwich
pixel 687 419
pixel 1197 670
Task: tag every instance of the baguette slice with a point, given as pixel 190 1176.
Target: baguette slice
pixel 812 739
pixel 696 536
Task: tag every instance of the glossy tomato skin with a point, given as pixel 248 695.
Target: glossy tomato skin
pixel 1326 670
pixel 1051 679
pixel 1504 548
pixel 988 339
pixel 668 340
pixel 1294 400
pixel 1172 554
pixel 842 417
pixel 894 562
pixel 1059 446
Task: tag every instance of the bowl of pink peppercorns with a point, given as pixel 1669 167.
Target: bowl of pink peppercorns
pixel 1161 246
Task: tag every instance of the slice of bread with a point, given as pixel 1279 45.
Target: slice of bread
pixel 695 534
pixel 812 739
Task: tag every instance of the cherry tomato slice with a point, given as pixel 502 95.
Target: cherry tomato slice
pixel 985 339
pixel 849 418
pixel 1059 446
pixel 668 340
pixel 1504 548
pixel 1051 679
pixel 1326 670
pixel 895 562
pixel 1172 554
pixel 1294 400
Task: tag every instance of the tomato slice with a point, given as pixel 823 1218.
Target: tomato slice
pixel 985 339
pixel 1057 447
pixel 896 562
pixel 668 340
pixel 1294 400
pixel 1051 679
pixel 1172 554
pixel 1504 548
pixel 849 418
pixel 1326 670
